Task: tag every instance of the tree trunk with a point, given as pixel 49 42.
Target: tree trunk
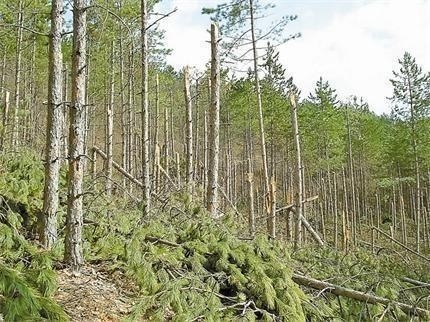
pixel 109 125
pixel 15 127
pixel 4 121
pixel 298 175
pixel 213 133
pixel 54 127
pixel 146 190
pixel 189 131
pixel 73 241
pixel 260 115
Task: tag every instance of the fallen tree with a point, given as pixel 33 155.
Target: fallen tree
pixel 358 295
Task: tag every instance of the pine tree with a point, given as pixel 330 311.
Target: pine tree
pixel 411 100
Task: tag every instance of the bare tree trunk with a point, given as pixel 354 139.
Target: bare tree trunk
pixel 53 129
pixel 146 198
pixel 15 130
pixel 251 213
pixel 272 219
pixel 3 74
pixel 130 116
pixel 189 131
pixel 109 125
pixel 5 117
pixel 73 241
pixel 213 133
pixel 156 135
pixel 166 146
pixel 65 110
pixel 124 136
pixel 354 220
pixel 336 215
pixel 260 115
pixel 298 175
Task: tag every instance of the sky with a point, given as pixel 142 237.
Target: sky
pixel 353 44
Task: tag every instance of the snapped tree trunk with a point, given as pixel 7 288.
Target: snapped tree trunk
pixel 298 175
pixel 213 133
pixel 109 125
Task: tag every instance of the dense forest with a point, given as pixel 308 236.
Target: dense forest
pixel 194 195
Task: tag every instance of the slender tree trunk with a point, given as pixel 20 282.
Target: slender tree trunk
pixel 109 124
pixel 298 175
pixel 155 125
pixel 65 111
pixel 5 125
pixel 354 216
pixel 124 136
pixel 19 38
pixel 3 74
pixel 260 114
pixel 145 112
pixel 73 241
pixel 213 133
pixel 130 116
pixel 53 129
pixel 335 209
pixel 189 131
pixel 167 153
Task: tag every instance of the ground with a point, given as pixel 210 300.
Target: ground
pixel 94 295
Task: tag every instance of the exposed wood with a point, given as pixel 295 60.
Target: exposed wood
pixel 109 124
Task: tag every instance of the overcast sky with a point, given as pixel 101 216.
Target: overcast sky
pixel 354 44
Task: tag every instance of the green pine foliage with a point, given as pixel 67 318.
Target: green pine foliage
pixel 27 279
pixel 379 275
pixel 187 266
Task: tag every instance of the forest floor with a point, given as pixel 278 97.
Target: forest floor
pixel 94 294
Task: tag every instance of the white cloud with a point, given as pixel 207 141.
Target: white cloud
pixel 357 51
pixel 187 32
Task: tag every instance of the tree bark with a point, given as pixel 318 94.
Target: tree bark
pixel 146 190
pixel 189 131
pixel 73 241
pixel 18 59
pixel 109 125
pixel 260 114
pixel 5 117
pixel 298 175
pixel 53 129
pixel 357 295
pixel 213 133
